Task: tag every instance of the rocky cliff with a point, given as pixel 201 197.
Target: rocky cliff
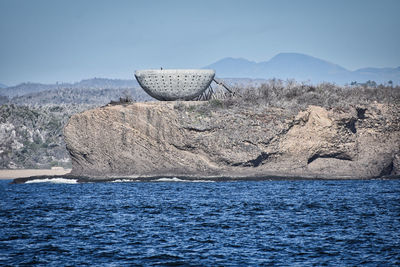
pixel 197 139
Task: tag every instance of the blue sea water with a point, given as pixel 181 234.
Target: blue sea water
pixel 282 223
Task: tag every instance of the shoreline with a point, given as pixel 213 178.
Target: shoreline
pixel 171 178
pixel 10 174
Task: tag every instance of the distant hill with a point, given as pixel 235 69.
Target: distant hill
pixel 2 85
pixel 79 96
pixel 95 83
pixel 301 68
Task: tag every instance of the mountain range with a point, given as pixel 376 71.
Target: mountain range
pixel 241 71
pixel 301 67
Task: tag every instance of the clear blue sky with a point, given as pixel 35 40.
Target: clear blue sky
pixel 54 40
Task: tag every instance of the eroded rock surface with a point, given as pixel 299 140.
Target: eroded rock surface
pixel 170 138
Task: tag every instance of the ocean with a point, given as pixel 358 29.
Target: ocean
pixel 170 222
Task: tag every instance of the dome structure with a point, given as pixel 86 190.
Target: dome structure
pixel 175 84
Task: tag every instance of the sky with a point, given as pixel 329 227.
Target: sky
pixel 66 41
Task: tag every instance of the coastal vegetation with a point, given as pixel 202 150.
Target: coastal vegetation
pixel 31 137
pixel 298 96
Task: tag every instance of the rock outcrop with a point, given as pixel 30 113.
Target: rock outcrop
pixel 187 139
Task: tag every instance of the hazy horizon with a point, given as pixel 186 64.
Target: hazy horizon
pixel 67 41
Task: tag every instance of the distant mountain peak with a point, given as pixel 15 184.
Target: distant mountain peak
pixel 302 67
pixel 296 57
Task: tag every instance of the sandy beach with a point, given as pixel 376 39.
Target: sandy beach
pixel 21 173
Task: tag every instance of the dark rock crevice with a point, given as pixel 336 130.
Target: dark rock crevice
pixel 249 142
pixel 341 156
pixel 185 147
pixel 388 170
pixel 351 125
pixel 199 130
pixel 361 113
pixel 254 162
pixel 87 158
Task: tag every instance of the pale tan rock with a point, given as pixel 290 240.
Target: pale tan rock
pixel 185 139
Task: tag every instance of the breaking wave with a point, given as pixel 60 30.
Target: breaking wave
pixel 53 180
pixel 124 181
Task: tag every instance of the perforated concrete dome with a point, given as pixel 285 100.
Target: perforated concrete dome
pixel 174 84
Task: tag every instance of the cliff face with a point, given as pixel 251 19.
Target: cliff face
pixel 186 139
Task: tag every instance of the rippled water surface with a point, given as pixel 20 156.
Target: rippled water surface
pixel 222 223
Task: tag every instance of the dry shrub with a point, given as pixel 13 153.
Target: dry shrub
pixel 294 95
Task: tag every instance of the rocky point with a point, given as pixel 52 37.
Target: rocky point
pixel 190 139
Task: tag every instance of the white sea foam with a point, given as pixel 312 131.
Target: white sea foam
pixel 175 179
pixel 124 181
pixel 53 180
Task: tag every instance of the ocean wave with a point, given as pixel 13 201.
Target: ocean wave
pixel 53 180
